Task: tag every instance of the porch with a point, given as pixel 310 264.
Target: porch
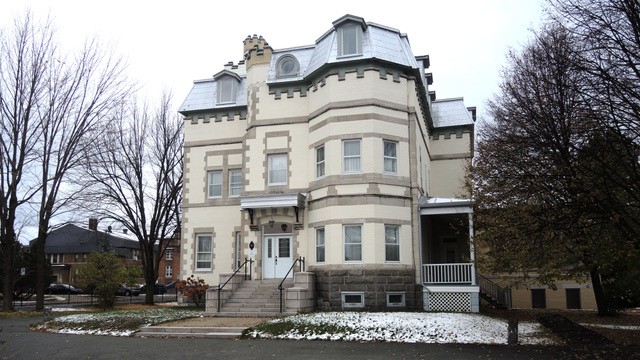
pixel 448 273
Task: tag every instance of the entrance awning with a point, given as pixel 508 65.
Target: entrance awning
pixel 273 201
pixel 250 203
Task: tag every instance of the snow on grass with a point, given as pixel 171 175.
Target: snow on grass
pixel 405 327
pixel 608 326
pixel 114 323
pixel 398 327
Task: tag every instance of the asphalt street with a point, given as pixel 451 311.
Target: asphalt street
pixel 17 341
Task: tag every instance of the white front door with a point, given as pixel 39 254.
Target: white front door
pixel 277 256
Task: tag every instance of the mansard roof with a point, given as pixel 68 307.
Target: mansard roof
pixel 379 43
pixel 204 94
pixel 450 112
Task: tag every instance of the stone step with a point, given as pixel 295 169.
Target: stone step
pixel 191 332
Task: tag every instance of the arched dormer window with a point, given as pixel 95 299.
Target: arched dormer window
pixel 287 66
pixel 226 87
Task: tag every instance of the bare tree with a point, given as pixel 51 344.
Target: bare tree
pixel 52 105
pixel 136 176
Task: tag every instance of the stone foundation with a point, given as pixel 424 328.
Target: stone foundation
pixel 374 281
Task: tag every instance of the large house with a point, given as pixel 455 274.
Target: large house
pixel 69 246
pixel 338 154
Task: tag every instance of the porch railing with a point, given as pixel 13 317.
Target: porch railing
pixel 459 273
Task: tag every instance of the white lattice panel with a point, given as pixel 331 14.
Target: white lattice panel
pixel 449 301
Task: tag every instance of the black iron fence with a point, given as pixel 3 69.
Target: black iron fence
pixel 90 299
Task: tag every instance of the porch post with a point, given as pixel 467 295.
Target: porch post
pixel 472 250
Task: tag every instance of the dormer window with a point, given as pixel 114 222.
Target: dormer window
pixel 287 66
pixel 350 40
pixel 226 90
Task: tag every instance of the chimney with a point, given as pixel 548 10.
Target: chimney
pixel 472 110
pixel 93 224
pixel 256 51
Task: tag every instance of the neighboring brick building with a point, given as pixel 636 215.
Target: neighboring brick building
pixel 169 267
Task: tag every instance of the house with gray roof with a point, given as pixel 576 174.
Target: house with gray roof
pixel 70 245
pixel 333 174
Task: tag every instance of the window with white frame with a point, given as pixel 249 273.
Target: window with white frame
pixel 320 161
pixel 350 40
pixel 353 243
pixel 277 169
pixel 168 254
pixel 203 252
pixel 320 245
pixel 352 299
pixel 214 184
pixel 391 243
pixel 235 182
pixel 168 271
pixel 351 156
pixel 226 88
pixel 390 157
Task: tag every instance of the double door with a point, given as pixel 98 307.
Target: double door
pixel 278 257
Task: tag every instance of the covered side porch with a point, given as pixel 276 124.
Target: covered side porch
pixel 448 273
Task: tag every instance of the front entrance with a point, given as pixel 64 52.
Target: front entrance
pixel 278 257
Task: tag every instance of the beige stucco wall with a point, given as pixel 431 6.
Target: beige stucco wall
pixel 556 299
pixel 368 108
pixel 447 178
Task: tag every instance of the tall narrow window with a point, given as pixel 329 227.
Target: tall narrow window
pixel 235 182
pixel 352 243
pixel 239 259
pixel 320 161
pixel 390 157
pixel 320 245
pixel 214 184
pixel 349 40
pixel 168 254
pixel 277 169
pixel 203 252
pixel 351 156
pixel 168 271
pixel 226 88
pixel 391 243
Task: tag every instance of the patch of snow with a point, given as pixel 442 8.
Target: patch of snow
pixel 408 328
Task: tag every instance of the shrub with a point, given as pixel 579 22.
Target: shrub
pixel 193 288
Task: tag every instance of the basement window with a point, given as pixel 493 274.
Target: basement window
pixel 352 299
pixel 396 299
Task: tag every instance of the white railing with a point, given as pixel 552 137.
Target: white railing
pixel 462 273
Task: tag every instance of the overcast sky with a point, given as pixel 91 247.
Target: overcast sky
pixel 168 44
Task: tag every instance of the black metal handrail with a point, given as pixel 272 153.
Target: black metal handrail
pixel 220 287
pixel 301 260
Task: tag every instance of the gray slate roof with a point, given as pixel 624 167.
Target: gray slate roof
pixel 450 112
pixel 71 238
pixel 378 42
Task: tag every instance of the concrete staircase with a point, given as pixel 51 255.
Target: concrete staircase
pixel 258 298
